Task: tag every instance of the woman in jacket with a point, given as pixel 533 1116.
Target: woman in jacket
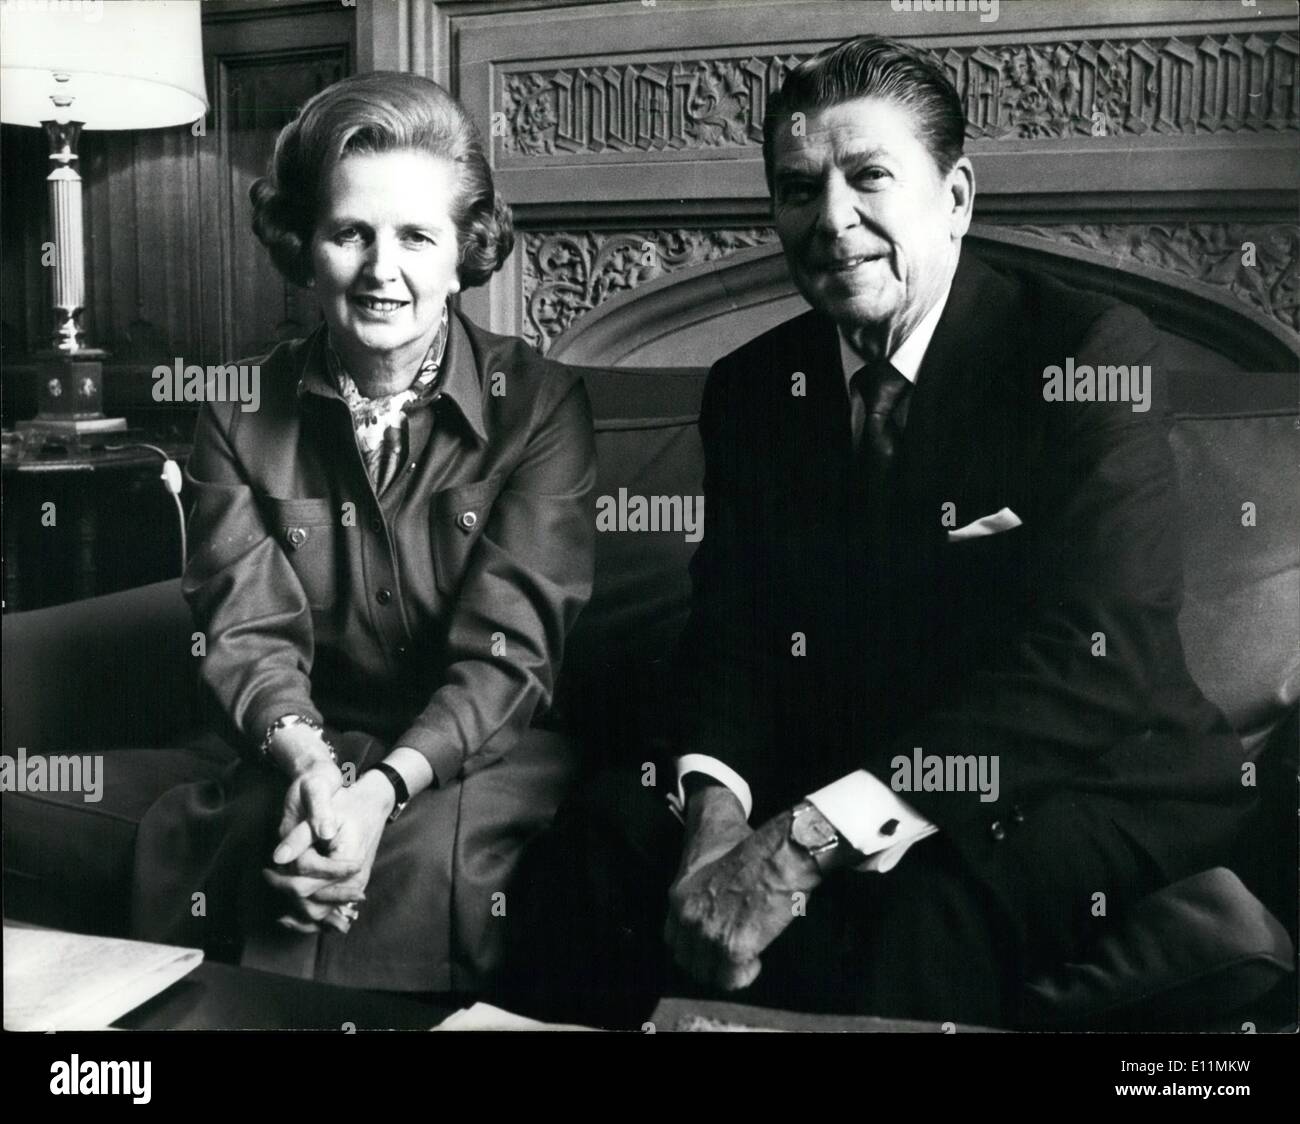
pixel 388 554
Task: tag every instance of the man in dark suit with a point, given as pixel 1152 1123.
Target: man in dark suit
pixel 940 726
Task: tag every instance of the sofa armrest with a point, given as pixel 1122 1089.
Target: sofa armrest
pixel 1182 959
pixel 107 672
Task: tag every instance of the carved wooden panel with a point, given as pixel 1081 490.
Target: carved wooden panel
pixel 1080 87
pixel 569 273
pixel 1255 263
pixel 566 274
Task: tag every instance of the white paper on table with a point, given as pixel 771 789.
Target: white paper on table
pixel 483 1016
pixel 70 981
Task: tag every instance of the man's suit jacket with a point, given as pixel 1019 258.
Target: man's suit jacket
pixel 804 664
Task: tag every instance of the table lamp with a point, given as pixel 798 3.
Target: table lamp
pixel 74 65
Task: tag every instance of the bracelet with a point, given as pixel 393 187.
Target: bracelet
pixel 287 720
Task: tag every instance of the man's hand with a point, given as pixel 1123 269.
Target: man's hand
pixel 715 823
pixel 734 892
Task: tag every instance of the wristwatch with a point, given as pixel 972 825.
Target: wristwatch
pixel 816 834
pixel 399 787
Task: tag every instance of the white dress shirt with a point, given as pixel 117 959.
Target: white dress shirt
pixel 859 806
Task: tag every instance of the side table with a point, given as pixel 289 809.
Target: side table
pixel 79 521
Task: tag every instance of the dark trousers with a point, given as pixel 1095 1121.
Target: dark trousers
pixel 927 940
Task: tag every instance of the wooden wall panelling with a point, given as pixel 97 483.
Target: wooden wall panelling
pixel 262 65
pixel 25 321
pixel 259 95
pixel 404 35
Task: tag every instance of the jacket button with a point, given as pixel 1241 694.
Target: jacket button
pixel 384 596
pixel 376 524
pixel 997 831
pixel 1017 816
pixel 467 520
pixel 296 536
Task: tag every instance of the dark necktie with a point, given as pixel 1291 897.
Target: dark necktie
pixel 883 392
pixel 883 395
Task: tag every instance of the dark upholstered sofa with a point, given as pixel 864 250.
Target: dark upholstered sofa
pixel 116 674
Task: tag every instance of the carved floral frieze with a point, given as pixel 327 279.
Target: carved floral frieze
pixel 566 274
pixel 1258 263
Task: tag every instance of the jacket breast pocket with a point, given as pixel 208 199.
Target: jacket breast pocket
pixel 307 531
pixel 457 518
pixel 987 561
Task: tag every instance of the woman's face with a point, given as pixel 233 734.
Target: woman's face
pixel 384 257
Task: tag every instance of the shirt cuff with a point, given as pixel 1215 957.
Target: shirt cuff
pixel 711 767
pixel 872 818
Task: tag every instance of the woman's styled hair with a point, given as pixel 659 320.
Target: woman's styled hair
pixel 383 111
pixel 873 66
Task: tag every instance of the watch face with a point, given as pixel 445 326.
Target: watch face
pixel 812 831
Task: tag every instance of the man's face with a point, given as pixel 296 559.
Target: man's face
pixel 869 226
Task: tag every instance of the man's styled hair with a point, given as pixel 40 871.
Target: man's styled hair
pixel 384 111
pixel 873 66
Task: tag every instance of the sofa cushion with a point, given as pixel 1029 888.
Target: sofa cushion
pixel 1196 951
pixel 616 670
pixel 1241 611
pixel 68 862
pixel 646 443
pixel 116 670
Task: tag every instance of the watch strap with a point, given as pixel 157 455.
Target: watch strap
pixel 399 787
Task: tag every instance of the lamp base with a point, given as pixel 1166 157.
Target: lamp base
pixel 74 428
pixel 70 396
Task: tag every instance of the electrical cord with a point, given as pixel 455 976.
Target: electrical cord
pixel 171 478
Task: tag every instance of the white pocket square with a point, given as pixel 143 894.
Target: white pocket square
pixel 1003 520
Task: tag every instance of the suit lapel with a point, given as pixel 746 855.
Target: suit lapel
pixel 822 445
pixel 958 404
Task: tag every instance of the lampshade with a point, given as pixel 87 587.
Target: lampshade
pixel 131 64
